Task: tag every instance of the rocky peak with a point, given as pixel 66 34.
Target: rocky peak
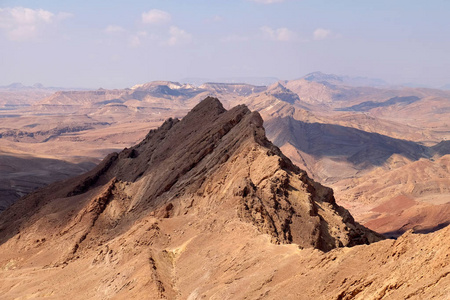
pixel 282 93
pixel 199 202
pixel 213 162
pixel 320 77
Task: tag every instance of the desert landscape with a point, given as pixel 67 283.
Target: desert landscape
pixel 216 192
pixel 367 156
pixel 184 151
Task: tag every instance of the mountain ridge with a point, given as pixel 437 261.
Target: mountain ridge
pixel 172 163
pixel 235 217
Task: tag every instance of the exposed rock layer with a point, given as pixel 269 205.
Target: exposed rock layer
pixel 201 208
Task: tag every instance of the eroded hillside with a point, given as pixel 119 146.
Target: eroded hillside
pixel 207 207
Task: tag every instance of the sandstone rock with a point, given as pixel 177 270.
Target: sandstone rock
pixel 203 207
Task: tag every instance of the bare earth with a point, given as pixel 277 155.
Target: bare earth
pixel 371 145
pixel 211 210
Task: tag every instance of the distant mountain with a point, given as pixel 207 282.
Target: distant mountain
pixel 18 86
pixel 322 77
pixel 415 85
pixel 344 80
pixel 327 140
pixel 249 80
pixel 15 86
pixel 259 81
pixel 240 89
pixel 368 105
pixel 163 89
pixel 282 93
pixel 148 94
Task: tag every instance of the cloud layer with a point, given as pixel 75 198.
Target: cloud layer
pixel 156 16
pixel 112 29
pixel 178 36
pixel 22 24
pixel 278 34
pixel 321 34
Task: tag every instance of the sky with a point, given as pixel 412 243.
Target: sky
pixel 117 44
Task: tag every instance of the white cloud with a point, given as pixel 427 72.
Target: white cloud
pixel 136 39
pixel 278 34
pixel 21 23
pixel 321 34
pixel 267 1
pixel 114 29
pixel 156 16
pixel 178 36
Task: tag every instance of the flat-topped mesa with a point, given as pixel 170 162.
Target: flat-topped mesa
pixel 214 163
pixel 242 89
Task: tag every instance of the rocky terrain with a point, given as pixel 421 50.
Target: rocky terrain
pixel 207 207
pixel 389 132
pixel 21 174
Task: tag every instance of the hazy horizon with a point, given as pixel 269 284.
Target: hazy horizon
pixel 116 44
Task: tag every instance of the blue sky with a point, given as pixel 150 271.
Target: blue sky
pixel 116 44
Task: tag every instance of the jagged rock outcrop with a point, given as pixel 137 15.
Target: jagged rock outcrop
pixel 197 155
pixel 205 206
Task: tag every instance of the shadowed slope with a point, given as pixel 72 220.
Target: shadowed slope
pixel 21 174
pixel 368 105
pixel 356 146
pixel 205 207
pixel 181 158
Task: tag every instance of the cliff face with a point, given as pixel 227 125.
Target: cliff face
pixel 203 206
pixel 222 155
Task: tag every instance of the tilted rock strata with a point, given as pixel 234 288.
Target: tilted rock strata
pixel 201 207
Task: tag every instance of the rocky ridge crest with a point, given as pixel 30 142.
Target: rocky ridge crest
pixel 209 182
